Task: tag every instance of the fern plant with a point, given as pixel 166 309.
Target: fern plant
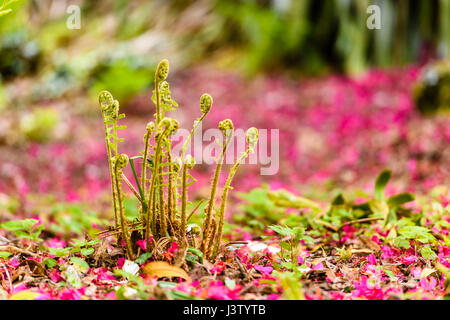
pixel 162 188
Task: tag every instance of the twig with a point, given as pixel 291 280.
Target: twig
pixel 113 229
pixel 437 235
pixel 102 236
pixel 9 278
pixel 326 224
pixel 361 251
pixel 136 193
pixel 195 209
pixel 360 221
pixel 235 242
pixel 13 250
pixel 336 229
pixel 5 239
pixel 242 267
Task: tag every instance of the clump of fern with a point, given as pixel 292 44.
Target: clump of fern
pixel 162 188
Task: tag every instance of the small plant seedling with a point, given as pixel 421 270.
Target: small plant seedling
pixel 25 229
pixel 386 208
pixel 291 239
pixel 344 254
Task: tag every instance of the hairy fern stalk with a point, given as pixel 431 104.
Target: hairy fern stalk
pixel 162 188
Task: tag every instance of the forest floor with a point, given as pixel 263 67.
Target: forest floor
pixel 365 239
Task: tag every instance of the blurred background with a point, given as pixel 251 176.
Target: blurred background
pixel 348 101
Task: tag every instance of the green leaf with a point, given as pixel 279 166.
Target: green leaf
pixel 141 192
pixel 307 239
pixel 292 287
pixel 167 284
pixel 399 199
pixel 80 262
pixel 442 223
pixel 197 252
pixel 4 254
pixel 401 242
pixel 87 251
pixel 60 252
pixel 77 243
pixel 284 231
pixel 176 294
pixel 92 242
pixel 420 234
pixel 285 245
pixel 428 253
pixel 379 207
pixel 19 225
pixel 143 258
pixel 50 262
pixel 339 200
pixel 230 284
pixel 390 274
pixel 192 258
pixel 283 198
pixel 380 184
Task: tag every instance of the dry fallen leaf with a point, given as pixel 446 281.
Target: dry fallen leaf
pixel 426 272
pixel 35 268
pixel 369 243
pixel 163 269
pixel 368 251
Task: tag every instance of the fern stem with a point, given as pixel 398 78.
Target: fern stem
pixel 224 202
pixel 123 223
pixel 111 171
pixel 208 217
pixel 183 205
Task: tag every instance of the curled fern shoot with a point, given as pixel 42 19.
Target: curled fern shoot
pixel 110 114
pixel 206 102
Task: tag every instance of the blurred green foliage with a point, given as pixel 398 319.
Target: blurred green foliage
pixel 258 211
pixel 119 42
pixel 432 92
pixel 309 35
pixel 124 78
pixel 2 98
pixel 313 35
pixel 75 219
pixel 39 125
pixel 4 7
pixel 26 229
pixel 19 54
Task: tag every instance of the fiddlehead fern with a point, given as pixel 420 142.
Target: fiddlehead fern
pixel 110 114
pixel 206 102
